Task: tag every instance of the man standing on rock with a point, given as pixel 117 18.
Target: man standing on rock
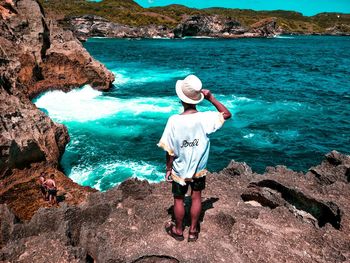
pixel 52 189
pixel 185 140
pixel 43 188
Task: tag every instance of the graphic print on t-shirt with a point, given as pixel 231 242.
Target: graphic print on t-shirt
pixel 186 143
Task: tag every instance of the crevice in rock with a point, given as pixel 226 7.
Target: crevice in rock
pixel 273 194
pixel 89 259
pixel 6 85
pixel 45 35
pixel 156 258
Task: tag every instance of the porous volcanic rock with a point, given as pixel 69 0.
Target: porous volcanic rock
pixel 280 216
pixel 36 55
pixel 43 56
pixel 27 135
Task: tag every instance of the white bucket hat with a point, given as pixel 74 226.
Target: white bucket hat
pixel 189 90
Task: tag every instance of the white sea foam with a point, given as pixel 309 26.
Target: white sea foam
pixel 87 104
pixel 142 76
pixel 284 37
pixel 248 136
pixel 197 37
pixel 114 172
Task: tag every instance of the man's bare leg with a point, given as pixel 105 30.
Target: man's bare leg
pixel 179 212
pixel 196 208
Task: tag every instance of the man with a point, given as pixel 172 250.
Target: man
pixel 185 140
pixel 43 188
pixel 51 188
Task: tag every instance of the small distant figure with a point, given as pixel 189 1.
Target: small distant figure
pixel 43 188
pixel 52 189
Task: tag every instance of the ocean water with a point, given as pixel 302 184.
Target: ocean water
pixel 290 99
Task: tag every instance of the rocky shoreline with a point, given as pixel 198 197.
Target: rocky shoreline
pixel 279 216
pixel 37 55
pixel 214 26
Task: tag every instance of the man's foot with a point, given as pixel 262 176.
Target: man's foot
pixel 169 229
pixel 192 236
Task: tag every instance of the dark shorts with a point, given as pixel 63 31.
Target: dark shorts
pixel 52 192
pixel 43 189
pixel 198 184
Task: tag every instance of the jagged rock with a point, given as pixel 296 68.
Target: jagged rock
pixel 216 26
pixel 237 168
pixel 206 25
pixel 299 220
pixel 266 28
pixel 339 30
pixel 198 25
pixel 43 56
pixel 335 168
pixel 36 55
pixel 27 135
pixel 94 26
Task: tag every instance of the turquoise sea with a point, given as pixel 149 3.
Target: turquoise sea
pixel 290 99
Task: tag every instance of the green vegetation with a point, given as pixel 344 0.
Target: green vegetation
pixel 130 13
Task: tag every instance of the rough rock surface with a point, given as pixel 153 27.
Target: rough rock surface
pixel 203 25
pixel 43 56
pixel 36 55
pixel 27 135
pixel 197 25
pixel 94 26
pixel 339 30
pixel 280 216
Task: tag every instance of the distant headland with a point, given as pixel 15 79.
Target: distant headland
pixel 127 19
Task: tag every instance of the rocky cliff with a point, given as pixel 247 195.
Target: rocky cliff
pixel 36 55
pixel 94 26
pixel 280 216
pixel 198 25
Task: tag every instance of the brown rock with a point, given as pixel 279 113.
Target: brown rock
pixel 36 55
pixel 308 222
pixel 27 135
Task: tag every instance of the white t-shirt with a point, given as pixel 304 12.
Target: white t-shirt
pixel 186 138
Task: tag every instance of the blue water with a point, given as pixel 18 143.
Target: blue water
pixel 290 99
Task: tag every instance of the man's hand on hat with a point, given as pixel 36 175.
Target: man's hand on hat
pixel 207 94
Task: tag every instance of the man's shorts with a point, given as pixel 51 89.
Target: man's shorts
pixel 198 184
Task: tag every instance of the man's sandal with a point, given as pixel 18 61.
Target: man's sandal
pixel 169 230
pixel 192 236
